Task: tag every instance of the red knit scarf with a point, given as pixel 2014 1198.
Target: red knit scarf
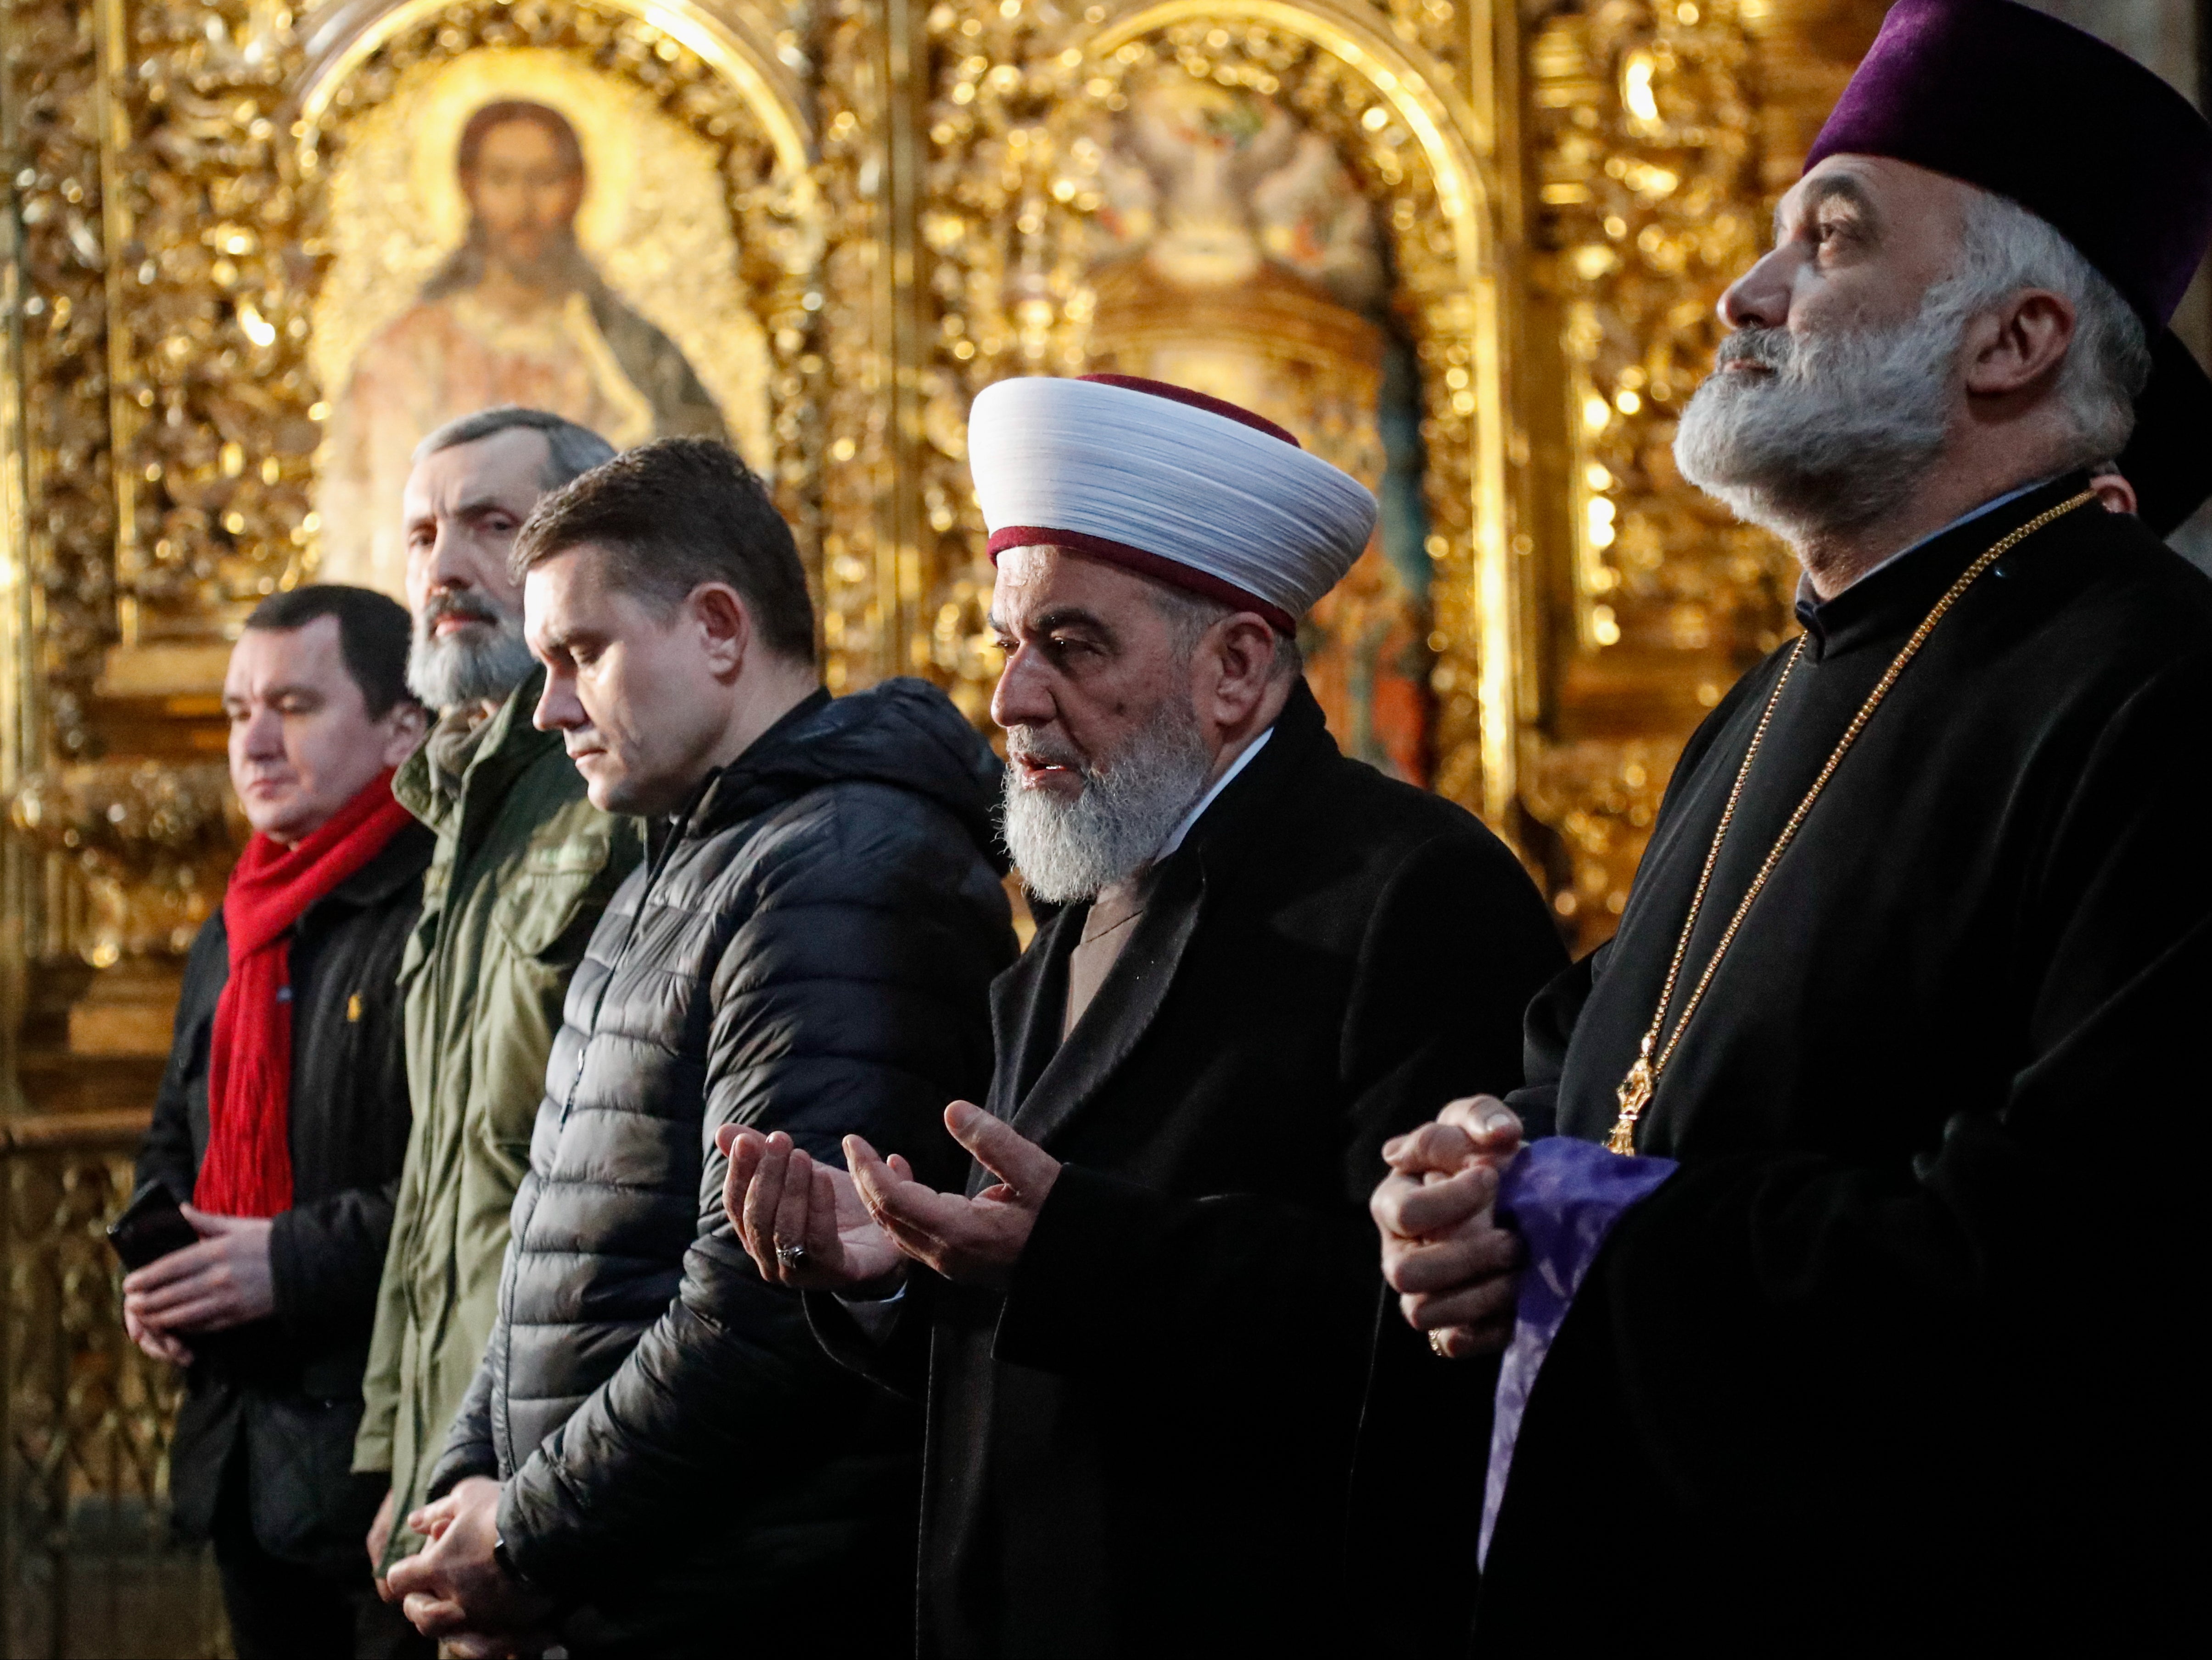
pixel 248 1168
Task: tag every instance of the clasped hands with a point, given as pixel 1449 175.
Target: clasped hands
pixel 808 1227
pixel 811 1226
pixel 454 1588
pixel 1455 1271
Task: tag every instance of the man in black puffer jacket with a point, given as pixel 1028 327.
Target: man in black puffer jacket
pixel 655 1444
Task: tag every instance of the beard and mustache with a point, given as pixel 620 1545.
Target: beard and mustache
pixel 1068 850
pixel 483 663
pixel 1831 431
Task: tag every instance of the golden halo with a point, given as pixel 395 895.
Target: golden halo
pixel 653 221
pixel 457 90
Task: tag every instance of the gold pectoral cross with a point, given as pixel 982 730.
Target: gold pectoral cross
pixel 1635 1089
pixel 1634 1095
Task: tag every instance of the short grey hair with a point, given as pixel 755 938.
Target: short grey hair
pixel 571 451
pixel 2006 249
pixel 1190 615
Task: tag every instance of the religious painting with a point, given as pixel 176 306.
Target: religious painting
pixel 1238 256
pixel 514 226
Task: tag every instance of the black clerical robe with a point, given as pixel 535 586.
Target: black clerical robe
pixel 1146 1445
pixel 1893 1352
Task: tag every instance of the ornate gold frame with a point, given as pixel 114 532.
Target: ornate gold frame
pixel 159 205
pixel 168 231
pixel 1477 616
pixel 1476 627
pixel 1425 80
pixel 163 422
pixel 735 38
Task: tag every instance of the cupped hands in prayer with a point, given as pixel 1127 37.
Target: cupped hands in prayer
pixel 812 1227
pixel 1454 1270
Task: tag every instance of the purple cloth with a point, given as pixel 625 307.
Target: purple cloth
pixel 1562 1196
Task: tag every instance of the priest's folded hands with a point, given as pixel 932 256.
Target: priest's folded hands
pixel 811 1226
pixel 1454 1268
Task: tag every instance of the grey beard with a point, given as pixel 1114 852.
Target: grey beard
pixel 1840 433
pixel 1069 850
pixel 447 672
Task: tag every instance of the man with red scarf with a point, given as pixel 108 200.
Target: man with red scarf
pixel 282 1123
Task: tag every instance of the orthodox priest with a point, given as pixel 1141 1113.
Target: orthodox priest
pixel 1862 1262
pixel 1145 1327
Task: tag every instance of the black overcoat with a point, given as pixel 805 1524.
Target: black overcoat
pixel 289 1386
pixel 1146 1445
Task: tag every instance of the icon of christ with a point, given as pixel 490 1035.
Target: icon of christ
pixel 516 314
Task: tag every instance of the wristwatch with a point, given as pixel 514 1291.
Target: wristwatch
pixel 506 1563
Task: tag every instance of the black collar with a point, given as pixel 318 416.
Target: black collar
pixel 661 831
pixel 1874 608
pixel 1242 809
pixel 399 861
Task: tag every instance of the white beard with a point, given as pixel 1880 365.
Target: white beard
pixel 448 671
pixel 1069 850
pixel 1840 432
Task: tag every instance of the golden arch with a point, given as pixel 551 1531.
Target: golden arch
pixel 733 39
pixel 1456 138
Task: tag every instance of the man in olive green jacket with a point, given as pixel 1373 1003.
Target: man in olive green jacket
pixel 523 867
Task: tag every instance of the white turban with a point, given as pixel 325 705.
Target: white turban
pixel 1169 482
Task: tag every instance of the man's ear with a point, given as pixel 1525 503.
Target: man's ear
pixel 2031 332
pixel 1243 659
pixel 724 626
pixel 2114 493
pixel 404 724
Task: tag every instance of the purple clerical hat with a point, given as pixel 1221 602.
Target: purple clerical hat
pixel 2082 137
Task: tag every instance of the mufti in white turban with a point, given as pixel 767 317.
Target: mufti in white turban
pixel 1172 483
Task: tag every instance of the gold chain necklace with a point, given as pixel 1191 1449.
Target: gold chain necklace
pixel 1636 1089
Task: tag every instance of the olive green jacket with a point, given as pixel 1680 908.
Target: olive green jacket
pixel 524 865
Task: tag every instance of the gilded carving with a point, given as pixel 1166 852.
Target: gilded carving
pixel 859 475
pixel 1599 796
pixel 211 246
pixel 1019 168
pixel 1648 189
pixel 52 136
pixel 216 256
pixel 150 843
pixel 1661 132
pixel 224 237
pixel 88 1415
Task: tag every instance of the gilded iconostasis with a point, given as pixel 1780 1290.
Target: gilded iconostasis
pixel 1467 249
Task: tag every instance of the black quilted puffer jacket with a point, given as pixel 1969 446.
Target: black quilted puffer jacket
pixel 807 948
